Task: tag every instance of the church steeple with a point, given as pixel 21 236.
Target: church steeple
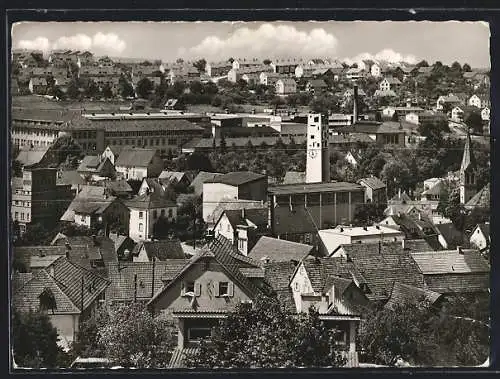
pixel 468 177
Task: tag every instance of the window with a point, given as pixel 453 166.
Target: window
pixel 190 289
pixel 198 334
pixel 170 214
pixel 155 214
pixel 141 214
pixel 16 216
pixel 22 216
pixel 141 227
pixel 162 213
pixel 223 288
pixel 82 219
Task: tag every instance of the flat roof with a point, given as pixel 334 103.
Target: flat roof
pixel 288 189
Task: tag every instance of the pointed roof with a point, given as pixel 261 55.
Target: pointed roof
pixel 481 199
pixel 468 159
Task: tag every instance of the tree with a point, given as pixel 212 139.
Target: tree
pixel 369 213
pixel 395 174
pixel 133 337
pixel 475 122
pixel 126 89
pixel 144 88
pixel 466 68
pixel 395 117
pixel 87 344
pixel 455 211
pixel 107 92
pixel 399 332
pixel 73 92
pixel 34 341
pixel 265 335
pixel 267 62
pixel 200 65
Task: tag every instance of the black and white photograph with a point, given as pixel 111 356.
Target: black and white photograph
pixel 249 195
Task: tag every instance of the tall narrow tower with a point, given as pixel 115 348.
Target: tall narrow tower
pixel 318 155
pixel 468 173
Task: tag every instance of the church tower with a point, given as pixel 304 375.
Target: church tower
pixel 468 173
pixel 318 155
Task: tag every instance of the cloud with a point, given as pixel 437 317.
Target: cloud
pixel 39 43
pixel 266 41
pixel 387 55
pixel 100 43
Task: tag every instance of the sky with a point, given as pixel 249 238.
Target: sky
pixel 410 41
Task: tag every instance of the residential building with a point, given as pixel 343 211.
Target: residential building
pixel 269 249
pixel 411 294
pixel 237 73
pixel 37 198
pixel 159 251
pixel 252 78
pixel 235 205
pixel 449 237
pixel 375 190
pixel 297 211
pixel 186 74
pixel 355 73
pixel 175 177
pixel 285 86
pixel 242 227
pixel 468 173
pixel 38 85
pixel 197 183
pixel 268 78
pixel 145 210
pixel 389 83
pixel 239 64
pixel 485 114
pixel 480 236
pixel 95 167
pixel 386 133
pixel 86 59
pixel 454 271
pixel 461 112
pixel 216 69
pixel 136 163
pixel 318 156
pixel 65 292
pixel 426 117
pixel 29 155
pixel 420 227
pixel 110 153
pixel 331 239
pixel 285 66
pixel 240 185
pixel 475 101
pixel 449 101
pixel 375 70
pixel 316 86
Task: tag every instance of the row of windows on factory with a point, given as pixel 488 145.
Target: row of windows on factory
pixel 24 216
pixel 326 198
pixel 29 142
pixel 85 134
pixel 38 133
pixel 150 133
pixel 155 214
pixel 145 142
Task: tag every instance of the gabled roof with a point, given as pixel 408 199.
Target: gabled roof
pixel 451 262
pixel 485 229
pixel 372 182
pixel 450 233
pixel 279 250
pixel 404 293
pixel 277 275
pixel 161 250
pixel 237 178
pixel 172 175
pixel 392 80
pixel 201 178
pixel 286 81
pixel 481 199
pixel 135 157
pixel 32 155
pixel 92 163
pixel 83 249
pixel 319 271
pixel 87 205
pixel 69 177
pixel 436 189
pixel 122 278
pixel 238 205
pixel 118 187
pixel 150 201
pixel 256 216
pixel 400 198
pixel 223 251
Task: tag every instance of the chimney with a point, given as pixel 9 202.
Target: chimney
pixel 403 244
pixel 459 250
pixel 243 213
pixel 355 105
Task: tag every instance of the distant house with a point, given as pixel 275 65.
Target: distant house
pixel 407 293
pixel 242 227
pixel 244 185
pixel 136 163
pixel 385 93
pixel 38 85
pixel 268 78
pixel 485 114
pixel 251 78
pixel 475 101
pixel 389 83
pixel 316 86
pixel 216 69
pixel 419 118
pixel 480 236
pixel 111 152
pixel 454 271
pixel 375 190
pixel 449 236
pixel 461 112
pixel 481 200
pixel 413 227
pixel 65 292
pixel 175 177
pixel 285 86
pixel 285 66
pixel 147 251
pixel 268 249
pixel 447 101
pixel 95 167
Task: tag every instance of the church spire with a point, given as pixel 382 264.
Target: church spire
pixel 468 177
pixel 468 159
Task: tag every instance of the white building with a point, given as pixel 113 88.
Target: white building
pixel 286 86
pixel 375 70
pixel 475 101
pixel 331 239
pixel 485 114
pixel 318 155
pixel 135 163
pixel 268 78
pixel 480 236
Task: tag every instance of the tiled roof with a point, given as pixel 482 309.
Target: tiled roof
pixel 135 157
pixel 278 250
pixel 69 177
pixel 481 199
pixel 403 293
pixel 19 279
pixel 317 83
pixel 450 233
pixel 85 204
pixel 171 175
pixel 319 270
pixel 277 276
pixel 31 156
pixel 161 250
pixel 451 262
pixel 201 178
pixel 26 298
pixel 350 138
pixel 400 198
pixel 232 205
pixel 237 178
pixel 252 272
pixel 150 201
pixel 84 248
pixel 118 186
pixel 38 262
pixel 373 182
pixel 257 216
pixel 121 276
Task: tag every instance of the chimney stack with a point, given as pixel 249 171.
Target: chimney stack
pixel 355 105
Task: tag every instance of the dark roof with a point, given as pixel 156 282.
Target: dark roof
pixel 258 216
pixel 161 250
pixel 315 83
pixel 86 248
pixel 237 178
pixel 19 279
pixel 450 233
pixel 122 277
pixel 320 270
pixel 372 127
pixel 69 177
pixel 277 275
pixel 314 187
pixel 481 199
pixel 404 293
pixel 400 198
pixel 135 157
pixel 232 205
pixel 118 186
pixel 373 182
pixel 278 250
pixel 32 155
pixel 201 178
pixel 150 201
pixel 350 138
